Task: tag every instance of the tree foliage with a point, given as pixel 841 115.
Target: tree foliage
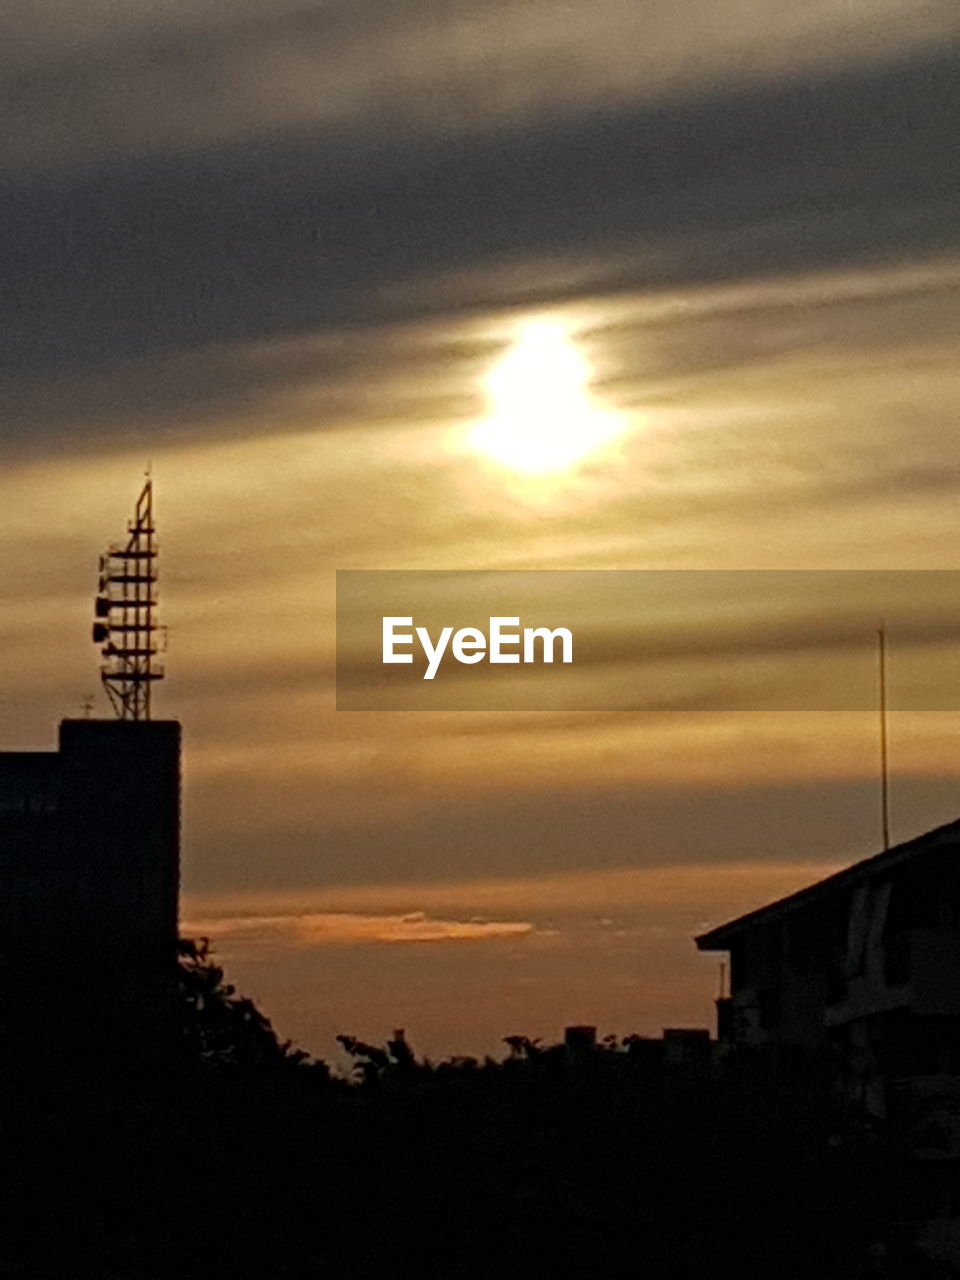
pixel 219 1027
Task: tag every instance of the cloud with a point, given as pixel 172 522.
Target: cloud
pixel 330 929
pixel 188 76
pixel 652 346
pixel 250 242
pixel 595 892
pixel 618 808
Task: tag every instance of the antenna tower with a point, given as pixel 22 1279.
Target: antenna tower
pixel 125 604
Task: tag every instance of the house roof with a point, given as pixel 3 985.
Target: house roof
pixel 720 938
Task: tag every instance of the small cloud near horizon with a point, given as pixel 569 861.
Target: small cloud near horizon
pixel 322 929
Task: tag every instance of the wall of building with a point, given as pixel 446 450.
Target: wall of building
pixel 89 886
pixel 89 839
pixel 781 976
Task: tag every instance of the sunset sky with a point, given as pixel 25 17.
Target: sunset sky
pixel 508 285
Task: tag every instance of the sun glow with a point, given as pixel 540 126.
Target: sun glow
pixel 542 420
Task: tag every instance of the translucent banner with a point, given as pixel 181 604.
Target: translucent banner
pixel 647 640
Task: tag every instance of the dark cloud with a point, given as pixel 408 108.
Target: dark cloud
pixel 136 257
pixel 364 376
pixel 557 829
pixel 176 76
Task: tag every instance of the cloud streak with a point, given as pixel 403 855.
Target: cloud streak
pixel 189 76
pixel 308 930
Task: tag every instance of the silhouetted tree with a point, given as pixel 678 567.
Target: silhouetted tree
pixel 218 1027
pixel 522 1046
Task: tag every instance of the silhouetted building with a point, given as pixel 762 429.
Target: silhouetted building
pixel 89 884
pixel 580 1039
pixel 862 970
pixel 89 839
pixel 867 960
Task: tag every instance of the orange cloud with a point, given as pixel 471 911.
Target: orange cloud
pixel 323 929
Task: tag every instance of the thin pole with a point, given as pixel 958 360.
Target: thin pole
pixel 884 777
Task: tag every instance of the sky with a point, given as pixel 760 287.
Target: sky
pixel 280 253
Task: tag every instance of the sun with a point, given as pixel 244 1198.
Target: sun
pixel 542 419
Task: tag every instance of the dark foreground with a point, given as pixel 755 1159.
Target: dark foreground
pixel 224 1154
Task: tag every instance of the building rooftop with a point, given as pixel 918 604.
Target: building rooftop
pixel 720 938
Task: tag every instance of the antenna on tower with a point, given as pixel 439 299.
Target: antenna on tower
pixel 125 604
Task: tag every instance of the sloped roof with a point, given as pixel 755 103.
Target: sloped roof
pixel 720 938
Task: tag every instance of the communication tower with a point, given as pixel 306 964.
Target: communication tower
pixel 124 609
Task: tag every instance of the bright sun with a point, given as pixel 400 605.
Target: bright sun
pixel 542 418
